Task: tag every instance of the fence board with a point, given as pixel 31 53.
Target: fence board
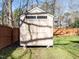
pixel 8 35
pixel 66 31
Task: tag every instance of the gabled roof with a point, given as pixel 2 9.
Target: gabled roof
pixel 36 10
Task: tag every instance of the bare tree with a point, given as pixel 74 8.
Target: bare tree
pixel 7 13
pixel 53 6
pixel 2 12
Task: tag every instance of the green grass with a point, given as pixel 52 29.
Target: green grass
pixel 66 39
pixel 64 48
pixel 38 53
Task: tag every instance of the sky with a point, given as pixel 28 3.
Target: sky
pixel 64 4
pixel 16 3
pixel 0 4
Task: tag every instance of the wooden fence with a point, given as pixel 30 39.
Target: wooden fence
pixel 8 36
pixel 66 31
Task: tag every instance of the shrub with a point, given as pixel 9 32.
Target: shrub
pixel 75 24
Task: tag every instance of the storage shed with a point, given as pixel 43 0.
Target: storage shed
pixel 36 28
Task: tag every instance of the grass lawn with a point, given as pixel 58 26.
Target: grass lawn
pixel 64 48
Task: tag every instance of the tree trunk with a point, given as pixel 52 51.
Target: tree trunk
pixel 7 10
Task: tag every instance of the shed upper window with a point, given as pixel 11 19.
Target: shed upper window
pixel 31 17
pixel 41 17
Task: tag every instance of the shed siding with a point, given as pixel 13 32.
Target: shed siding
pixel 37 32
